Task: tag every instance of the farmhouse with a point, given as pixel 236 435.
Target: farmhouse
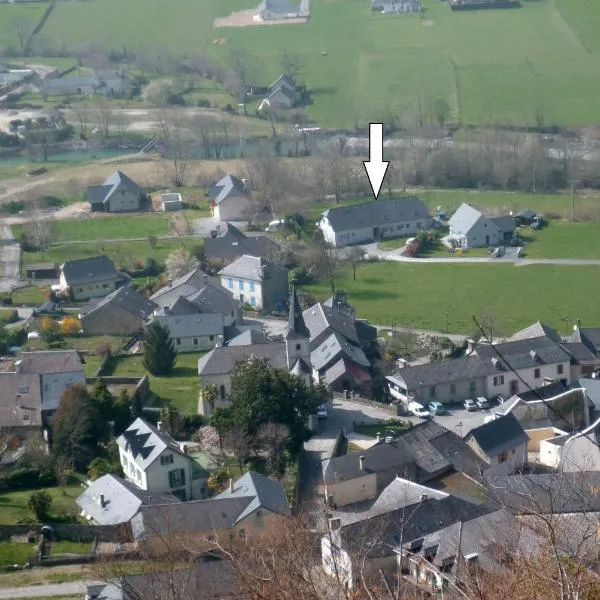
pixel 372 221
pixel 469 228
pixel 85 83
pixel 227 243
pixel 396 6
pixel 230 199
pixel 275 10
pixel 193 333
pixel 282 94
pixel 118 193
pixel 255 281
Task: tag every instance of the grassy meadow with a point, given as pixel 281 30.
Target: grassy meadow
pixel 490 66
pixel 420 295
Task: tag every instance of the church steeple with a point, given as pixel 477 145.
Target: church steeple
pixel 297 341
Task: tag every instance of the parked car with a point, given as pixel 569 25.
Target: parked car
pixel 322 412
pixel 275 225
pixel 470 404
pixel 537 222
pixel 416 409
pixel 482 402
pixel 437 408
pixel 498 252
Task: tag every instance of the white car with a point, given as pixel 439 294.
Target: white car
pixel 322 412
pixel 482 402
pixel 416 409
pixel 275 225
pixel 470 404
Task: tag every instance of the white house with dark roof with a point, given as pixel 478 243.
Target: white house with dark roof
pixel 396 6
pixel 470 228
pixel 118 193
pixel 111 500
pixel 370 221
pixel 270 10
pixel 258 282
pixel 86 278
pixel 193 333
pixel 155 462
pixel 230 199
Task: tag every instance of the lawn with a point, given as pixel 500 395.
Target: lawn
pixel 563 239
pixel 420 295
pixel 13 505
pixel 180 389
pixel 19 553
pixel 31 294
pixel 124 254
pixel 372 429
pixel 548 64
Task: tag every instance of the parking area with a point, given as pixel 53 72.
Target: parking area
pixel 462 421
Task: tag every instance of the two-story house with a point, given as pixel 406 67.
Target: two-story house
pixel 255 281
pixel 370 221
pixel 193 333
pixel 230 199
pixel 118 193
pixel 154 462
pixel 86 278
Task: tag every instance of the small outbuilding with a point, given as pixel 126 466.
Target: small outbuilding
pixel 171 201
pixel 47 270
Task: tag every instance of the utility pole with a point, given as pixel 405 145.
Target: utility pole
pixel 573 201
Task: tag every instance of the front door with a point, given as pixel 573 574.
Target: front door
pixel 487 240
pixel 514 387
pixel 375 232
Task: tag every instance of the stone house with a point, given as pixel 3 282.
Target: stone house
pixel 118 193
pixel 86 278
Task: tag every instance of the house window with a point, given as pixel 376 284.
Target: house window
pixel 178 341
pixel 536 373
pixel 502 457
pixel 472 386
pixel 252 286
pixel 499 380
pixel 230 283
pixel 559 369
pixel 211 338
pixel 419 225
pixel 166 459
pixel 222 394
pixel 195 341
pixel 242 533
pixel 80 289
pixel 253 300
pixel 105 285
pixel 432 391
pixel 176 478
pixel 453 388
pixel 240 284
pixel 298 346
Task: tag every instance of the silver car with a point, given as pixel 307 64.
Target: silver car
pixel 470 405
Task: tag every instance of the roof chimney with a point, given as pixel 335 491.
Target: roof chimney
pixel 18 366
pixel 335 524
pixel 184 448
pixel 471 346
pixel 231 485
pixel 160 426
pixel 361 462
pixel 101 501
pixel 494 361
pixel 423 497
pixel 378 437
pixel 533 354
pixel 170 282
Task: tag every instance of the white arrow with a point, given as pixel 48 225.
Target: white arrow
pixel 376 167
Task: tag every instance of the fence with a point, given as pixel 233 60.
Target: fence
pixel 74 532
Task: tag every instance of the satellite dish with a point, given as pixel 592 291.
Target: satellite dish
pixel 574 327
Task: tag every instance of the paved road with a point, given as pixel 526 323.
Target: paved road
pixel 373 251
pixel 47 590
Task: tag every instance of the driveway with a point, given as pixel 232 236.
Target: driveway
pixel 461 421
pixel 10 256
pixel 60 590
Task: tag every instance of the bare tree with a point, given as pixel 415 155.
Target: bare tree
pixel 180 262
pixel 82 112
pixel 104 114
pixel 240 444
pixel 355 256
pixel 291 63
pixel 273 438
pixel 441 111
pixel 38 228
pixel 331 263
pixel 173 125
pixel 239 60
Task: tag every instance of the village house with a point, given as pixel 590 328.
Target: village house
pixel 227 243
pixel 501 443
pixel 197 293
pixel 255 281
pixel 230 199
pixel 153 461
pixel 193 333
pixel 371 221
pixel 396 6
pixel 118 193
pixel 86 278
pixel 124 312
pixel 470 228
pixel 293 355
pixel 246 510
pixel 282 94
pixel 277 10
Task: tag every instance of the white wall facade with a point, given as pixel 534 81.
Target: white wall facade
pixel 197 343
pixel 123 201
pixel 504 382
pixel 223 383
pixel 481 234
pixel 233 208
pixel 244 290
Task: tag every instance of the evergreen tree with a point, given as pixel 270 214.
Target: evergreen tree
pixel 103 399
pixel 159 350
pixel 78 429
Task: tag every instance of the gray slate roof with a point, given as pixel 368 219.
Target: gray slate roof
pixel 230 243
pixel 127 298
pixel 228 186
pixel 296 327
pixel 380 212
pixel 535 330
pixel 590 336
pixel 20 400
pixel 86 270
pixel 320 318
pixel 580 353
pixel 101 194
pixel 122 500
pixel 181 326
pixel 379 458
pixel 283 7
pixel 499 435
pixel 464 218
pixel 519 355
pixel 146 443
pixel 248 337
pixel 50 361
pixel 283 79
pixel 333 347
pixel 254 268
pixel 458 369
pixel 264 493
pixel 526 214
pixel 592 388
pixel 222 360
pixel 504 224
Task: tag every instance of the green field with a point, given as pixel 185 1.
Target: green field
pixel 490 66
pixel 180 389
pixel 420 295
pixel 13 505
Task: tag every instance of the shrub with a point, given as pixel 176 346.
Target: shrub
pixel 39 504
pixel 27 479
